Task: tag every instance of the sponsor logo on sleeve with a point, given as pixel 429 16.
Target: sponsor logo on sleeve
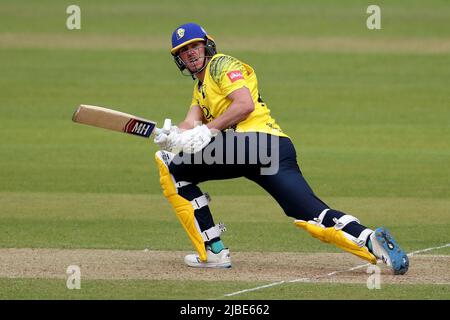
pixel 235 75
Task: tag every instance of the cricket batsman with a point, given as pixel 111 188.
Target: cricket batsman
pixel 229 122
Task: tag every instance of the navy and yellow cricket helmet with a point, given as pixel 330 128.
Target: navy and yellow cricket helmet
pixel 188 33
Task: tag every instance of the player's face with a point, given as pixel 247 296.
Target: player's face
pixel 193 55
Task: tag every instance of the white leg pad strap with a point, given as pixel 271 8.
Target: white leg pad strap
pixel 182 184
pixel 201 201
pixel 319 219
pixel 343 221
pixel 362 239
pixel 213 232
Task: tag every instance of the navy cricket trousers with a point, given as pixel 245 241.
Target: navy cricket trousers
pixel 287 185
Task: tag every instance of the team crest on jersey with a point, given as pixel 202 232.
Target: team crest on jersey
pixel 207 113
pixel 180 33
pixel 235 75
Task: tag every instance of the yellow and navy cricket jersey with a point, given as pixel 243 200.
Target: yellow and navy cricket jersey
pixel 225 74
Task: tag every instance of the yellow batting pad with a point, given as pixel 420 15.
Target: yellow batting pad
pixel 337 237
pixel 182 207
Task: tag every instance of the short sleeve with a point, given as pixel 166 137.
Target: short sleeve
pixel 229 74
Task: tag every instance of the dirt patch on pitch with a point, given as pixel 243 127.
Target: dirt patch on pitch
pixel 247 266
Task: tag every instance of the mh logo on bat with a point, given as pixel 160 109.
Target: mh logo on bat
pixel 139 128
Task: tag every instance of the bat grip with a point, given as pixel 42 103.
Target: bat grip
pixel 166 127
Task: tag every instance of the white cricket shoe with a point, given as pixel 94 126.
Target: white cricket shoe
pixel 214 260
pixel 384 247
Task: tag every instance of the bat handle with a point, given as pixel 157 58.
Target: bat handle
pixel 166 127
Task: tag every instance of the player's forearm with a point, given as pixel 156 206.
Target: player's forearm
pixel 186 125
pixel 235 113
pixel 193 118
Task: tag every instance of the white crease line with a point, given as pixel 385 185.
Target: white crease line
pixel 446 256
pixel 325 275
pixel 253 289
pixel 428 249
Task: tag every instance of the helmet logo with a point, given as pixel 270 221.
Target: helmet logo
pixel 180 33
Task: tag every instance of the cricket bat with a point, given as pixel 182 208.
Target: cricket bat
pixel 114 120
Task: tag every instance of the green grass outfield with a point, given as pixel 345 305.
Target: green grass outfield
pixel 367 110
pixel 160 290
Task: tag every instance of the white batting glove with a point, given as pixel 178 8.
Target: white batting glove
pixel 161 137
pixel 196 139
pixel 174 142
pixel 168 128
pixel 167 137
